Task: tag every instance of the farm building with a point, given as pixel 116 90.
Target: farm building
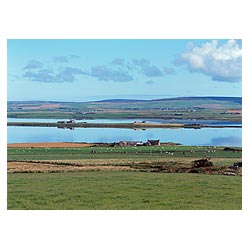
pixel 130 143
pixel 153 143
pixel 71 121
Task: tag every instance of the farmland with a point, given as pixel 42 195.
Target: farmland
pixel 107 176
pixel 207 108
pixel 104 177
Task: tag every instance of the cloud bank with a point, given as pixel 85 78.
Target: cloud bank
pixel 117 71
pixel 33 64
pixel 65 75
pixel 152 71
pixel 118 61
pixel 104 73
pixel 149 70
pixel 221 62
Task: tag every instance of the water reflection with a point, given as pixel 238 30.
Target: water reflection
pixel 205 136
pixel 204 122
pixel 227 141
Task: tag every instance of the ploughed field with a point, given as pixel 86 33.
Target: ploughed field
pixel 105 177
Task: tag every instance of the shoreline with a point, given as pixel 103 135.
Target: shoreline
pixel 83 144
pixel 49 145
pixel 70 144
pixel 138 125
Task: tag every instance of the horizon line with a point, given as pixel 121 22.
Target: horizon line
pixel 136 99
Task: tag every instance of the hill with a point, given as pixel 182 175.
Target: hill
pixel 221 108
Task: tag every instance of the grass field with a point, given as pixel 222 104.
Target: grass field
pixel 123 190
pixel 122 178
pixel 121 152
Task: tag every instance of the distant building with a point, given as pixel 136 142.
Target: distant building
pixel 130 143
pixel 123 143
pixel 71 121
pixel 138 143
pixel 153 143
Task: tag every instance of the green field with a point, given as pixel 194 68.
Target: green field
pixel 121 152
pixel 136 187
pixel 123 190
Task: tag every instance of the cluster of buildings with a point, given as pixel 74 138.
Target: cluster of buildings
pixel 66 122
pixel 138 143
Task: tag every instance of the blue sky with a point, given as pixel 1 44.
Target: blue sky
pixel 84 70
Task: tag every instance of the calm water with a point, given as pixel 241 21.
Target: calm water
pixel 205 122
pixel 206 136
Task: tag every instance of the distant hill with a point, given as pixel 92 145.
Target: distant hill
pixel 178 103
pixel 122 100
pixel 216 98
pixel 215 107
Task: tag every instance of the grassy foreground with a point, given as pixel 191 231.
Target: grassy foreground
pixel 123 190
pixel 75 178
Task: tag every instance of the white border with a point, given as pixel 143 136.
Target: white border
pixel 124 229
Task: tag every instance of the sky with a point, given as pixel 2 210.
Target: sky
pixel 87 70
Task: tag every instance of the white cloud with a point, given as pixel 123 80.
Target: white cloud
pixel 221 62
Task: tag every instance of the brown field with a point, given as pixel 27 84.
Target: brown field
pixel 49 145
pixel 172 166
pixel 46 106
pixel 43 106
pixel 46 167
